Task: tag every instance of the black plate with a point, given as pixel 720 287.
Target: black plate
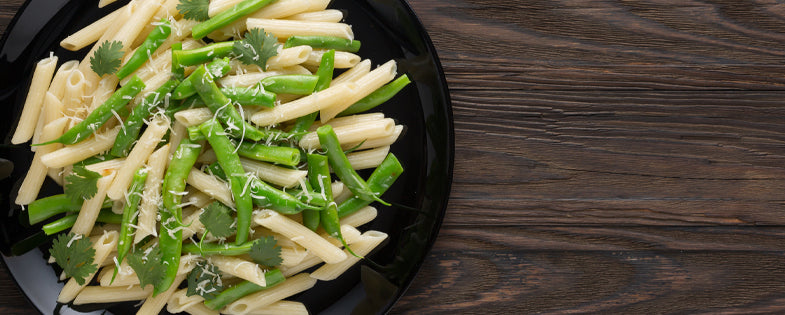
pixel 388 29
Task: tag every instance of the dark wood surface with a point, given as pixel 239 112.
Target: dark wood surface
pixel 612 157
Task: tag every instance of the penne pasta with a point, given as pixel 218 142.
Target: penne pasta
pixel 300 235
pixel 286 28
pixel 291 286
pixel 42 77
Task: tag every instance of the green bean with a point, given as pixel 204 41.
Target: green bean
pixel 154 40
pixel 274 154
pixel 377 97
pixel 216 169
pixel 324 42
pixel 133 124
pixel 178 70
pixel 225 249
pixel 342 167
pixel 269 197
pixel 230 163
pixel 47 207
pixel 170 239
pixel 380 180
pixel 66 222
pixel 300 84
pixel 319 173
pixel 271 277
pixel 309 197
pixel 195 134
pixel 217 68
pixel 311 218
pixel 250 96
pixel 130 209
pixel 227 17
pixel 220 104
pixel 325 74
pixel 101 114
pixel 201 55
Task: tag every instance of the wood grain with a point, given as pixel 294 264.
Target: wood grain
pixel 612 157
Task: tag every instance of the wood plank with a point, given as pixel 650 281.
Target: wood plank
pixel 578 270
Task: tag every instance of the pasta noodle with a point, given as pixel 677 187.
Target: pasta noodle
pixel 44 70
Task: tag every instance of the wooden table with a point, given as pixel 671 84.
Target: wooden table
pixel 612 156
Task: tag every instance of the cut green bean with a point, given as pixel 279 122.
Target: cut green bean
pixel 325 74
pixel 133 124
pixel 133 197
pixel 217 68
pixel 271 277
pixel 377 97
pixel 250 96
pixel 324 42
pixel 300 84
pixel 101 114
pixel 223 107
pixel 309 197
pixel 319 175
pixel 154 40
pixel 274 154
pixel 380 180
pixel 225 249
pixel 170 239
pixel 202 55
pixel 342 167
pixel 66 222
pixel 195 134
pixel 178 70
pixel 238 180
pixel 47 207
pixel 227 17
pixel 269 197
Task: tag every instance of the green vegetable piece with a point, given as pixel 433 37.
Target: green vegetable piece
pixel 47 207
pixel 377 97
pixel 269 197
pixel 217 218
pixel 75 254
pixel 154 40
pixel 227 17
pixel 380 180
pixel 256 48
pixel 324 42
pixel 107 58
pixel 325 74
pixel 205 281
pixel 265 251
pixel 136 120
pixel 272 278
pixel 274 154
pixel 134 196
pixel 148 266
pixel 81 185
pixel 194 9
pixel 226 249
pixel 250 96
pixel 217 68
pixel 299 84
pixel 66 222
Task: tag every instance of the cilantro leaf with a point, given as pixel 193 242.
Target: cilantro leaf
pixel 256 47
pixel 147 265
pixel 82 184
pixel 265 251
pixel 75 254
pixel 218 220
pixel 194 9
pixel 107 58
pixel 205 281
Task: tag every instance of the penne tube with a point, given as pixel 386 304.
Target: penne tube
pixel 366 159
pixel 36 174
pixel 105 89
pixel 151 196
pixel 356 72
pixel 180 302
pixel 281 307
pixel 375 142
pixel 304 106
pixel 367 84
pixel 42 77
pixel 126 276
pixel 98 294
pixel 211 185
pixel 178 133
pixel 286 28
pixel 349 120
pixel 292 256
pixel 318 5
pixel 274 10
pixel 364 246
pixel 288 57
pixel 333 16
pixel 343 60
pixel 106 166
pixel 145 146
pixel 360 217
pixel 118 23
pixel 102 246
pixel 167 9
pixel 155 303
pixel 71 154
pixel 239 268
pixel 218 6
pixel 136 22
pixel 91 33
pixel 51 111
pixel 74 96
pixel 57 88
pixel 193 116
pixel 276 175
pixel 308 262
pixel 289 287
pixel 90 208
pixel 300 235
pixel 354 133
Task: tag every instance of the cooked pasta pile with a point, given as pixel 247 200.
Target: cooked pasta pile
pixel 208 154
